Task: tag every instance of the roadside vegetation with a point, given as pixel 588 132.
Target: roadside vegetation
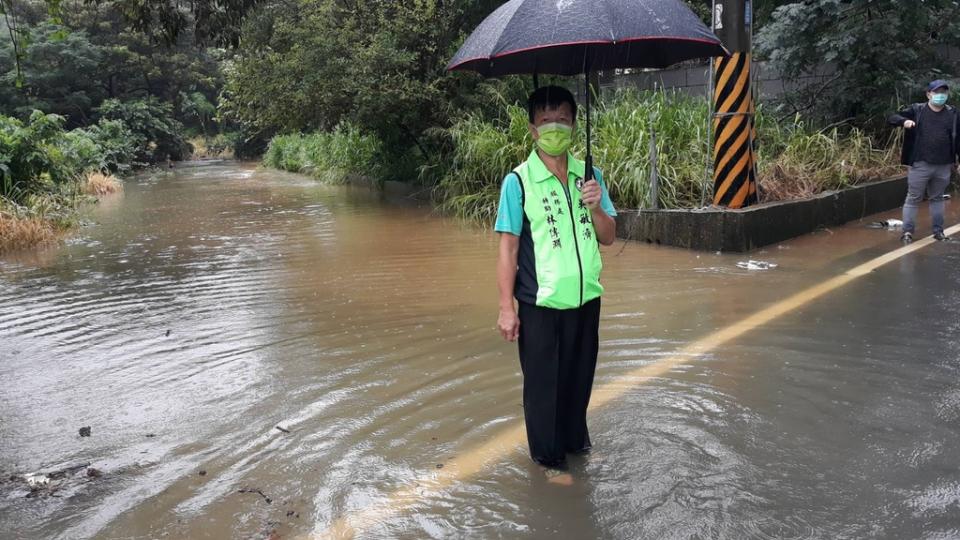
pixel 794 160
pixel 94 93
pixel 338 89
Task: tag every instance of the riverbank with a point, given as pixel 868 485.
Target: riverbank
pixel 44 220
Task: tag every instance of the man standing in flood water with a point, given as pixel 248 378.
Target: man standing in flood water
pixel 550 223
pixel 931 147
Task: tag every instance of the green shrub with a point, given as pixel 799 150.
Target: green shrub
pixel 331 156
pixel 32 155
pixel 116 143
pixel 41 163
pixel 156 134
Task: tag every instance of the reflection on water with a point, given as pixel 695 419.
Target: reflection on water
pixel 208 307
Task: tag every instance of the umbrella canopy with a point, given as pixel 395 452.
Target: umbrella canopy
pixel 567 37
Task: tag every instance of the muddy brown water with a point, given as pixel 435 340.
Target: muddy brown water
pixel 205 307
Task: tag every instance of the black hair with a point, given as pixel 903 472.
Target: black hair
pixel 550 97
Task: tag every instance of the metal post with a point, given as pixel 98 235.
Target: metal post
pixel 708 170
pixel 654 178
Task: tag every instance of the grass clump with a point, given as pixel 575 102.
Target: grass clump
pixel 795 162
pixel 24 227
pixel 333 156
pixel 99 184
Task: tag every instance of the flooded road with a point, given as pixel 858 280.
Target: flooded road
pixel 206 308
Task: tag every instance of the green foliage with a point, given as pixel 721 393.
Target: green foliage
pixel 155 134
pixel 39 160
pixel 794 161
pixel 55 74
pixel 623 130
pixel 876 54
pixel 38 156
pixel 31 155
pixel 310 65
pixel 70 64
pixel 484 151
pixel 332 156
pixel 196 104
pixel 115 142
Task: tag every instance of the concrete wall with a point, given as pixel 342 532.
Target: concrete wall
pixel 719 229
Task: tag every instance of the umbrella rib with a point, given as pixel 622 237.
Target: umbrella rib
pixel 610 19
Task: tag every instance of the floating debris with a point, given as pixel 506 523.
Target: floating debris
pixel 46 483
pixel 756 265
pixel 249 490
pixel 886 224
pixel 36 480
pixel 85 431
pixel 285 430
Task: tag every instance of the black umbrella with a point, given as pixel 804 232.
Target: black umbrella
pixel 567 37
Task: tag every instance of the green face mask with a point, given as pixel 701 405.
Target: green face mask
pixel 555 138
pixel 939 99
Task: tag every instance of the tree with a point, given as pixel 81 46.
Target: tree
pixel 877 53
pixel 54 75
pixel 197 105
pixel 378 65
pixel 156 134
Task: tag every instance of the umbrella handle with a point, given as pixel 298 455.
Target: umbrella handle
pixel 588 173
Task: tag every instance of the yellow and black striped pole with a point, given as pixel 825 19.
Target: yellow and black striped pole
pixel 734 160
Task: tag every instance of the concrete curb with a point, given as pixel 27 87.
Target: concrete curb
pixel 719 229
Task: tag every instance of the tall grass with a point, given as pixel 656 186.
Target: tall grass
pixel 99 184
pixel 622 147
pixel 796 162
pixel 330 156
pixel 484 151
pixel 793 160
pixel 27 226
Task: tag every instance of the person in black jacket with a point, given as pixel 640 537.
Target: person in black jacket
pixel 931 147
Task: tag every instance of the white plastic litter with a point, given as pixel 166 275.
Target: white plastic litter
pixel 756 265
pixel 36 479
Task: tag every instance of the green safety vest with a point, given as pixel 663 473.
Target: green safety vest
pixel 566 252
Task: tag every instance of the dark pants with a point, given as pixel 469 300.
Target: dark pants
pixel 558 355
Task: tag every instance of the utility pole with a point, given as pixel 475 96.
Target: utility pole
pixel 734 130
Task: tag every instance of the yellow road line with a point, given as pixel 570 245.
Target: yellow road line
pixel 473 461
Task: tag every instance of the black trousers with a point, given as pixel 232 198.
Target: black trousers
pixel 558 356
